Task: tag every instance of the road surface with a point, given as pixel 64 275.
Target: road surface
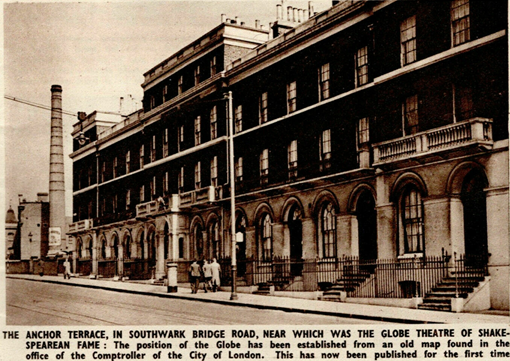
pixel 40 303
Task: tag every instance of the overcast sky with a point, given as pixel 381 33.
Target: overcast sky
pixel 97 52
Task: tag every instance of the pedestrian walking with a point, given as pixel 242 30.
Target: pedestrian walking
pixel 216 273
pixel 194 274
pixel 207 275
pixel 67 269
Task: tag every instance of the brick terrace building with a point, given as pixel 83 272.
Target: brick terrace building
pixel 371 136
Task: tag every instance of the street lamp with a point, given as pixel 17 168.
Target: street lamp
pixel 233 295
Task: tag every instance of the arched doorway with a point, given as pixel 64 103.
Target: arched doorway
pixel 166 239
pixel 152 252
pixel 367 226
pixel 475 217
pixel 296 240
pixel 241 246
pixel 198 242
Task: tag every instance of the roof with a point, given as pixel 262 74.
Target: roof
pixel 10 217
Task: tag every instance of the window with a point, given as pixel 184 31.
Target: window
pixel 180 83
pixel 410 115
pixel 412 220
pixel 239 169
pixel 165 143
pixel 115 167
pixel 153 148
pixel 214 171
pixel 291 97
pixel 142 194
pixel 263 108
pixel 463 106
pixel 264 166
pixel 103 171
pixel 361 59
pixel 180 180
pixel 325 149
pixel 363 131
pixel 128 161
pixel 197 130
pixel 239 118
pixel 324 82
pixel 153 186
pixel 408 40
pixel 152 102
pixel 292 156
pixel 142 155
pixel 165 93
pixel 266 232
pixel 166 183
pixel 197 75
pixel 214 123
pixel 460 22
pixel 212 65
pixel 328 230
pixel 198 175
pixel 114 203
pixel 180 137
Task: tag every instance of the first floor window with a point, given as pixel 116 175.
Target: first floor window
pixel 410 115
pixel 239 169
pixel 128 198
pixel 142 155
pixel 214 171
pixel 411 214
pixel 197 130
pixel 165 143
pixel 198 175
pixel 325 149
pixel 166 183
pixel 328 230
pixel 180 180
pixel 292 156
pixel 363 131
pixel 214 123
pixel 142 194
pixel 264 166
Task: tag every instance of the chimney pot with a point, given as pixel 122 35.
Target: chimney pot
pixel 223 18
pixel 257 24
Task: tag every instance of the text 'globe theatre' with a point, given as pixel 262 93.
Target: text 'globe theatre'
pixel 370 158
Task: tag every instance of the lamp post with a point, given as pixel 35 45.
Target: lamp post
pixel 233 295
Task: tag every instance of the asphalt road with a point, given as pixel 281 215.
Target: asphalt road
pixel 39 303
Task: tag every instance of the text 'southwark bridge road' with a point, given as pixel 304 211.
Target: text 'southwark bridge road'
pixel 38 303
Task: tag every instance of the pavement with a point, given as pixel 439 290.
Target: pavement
pixel 282 303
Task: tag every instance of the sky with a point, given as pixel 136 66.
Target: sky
pixel 97 51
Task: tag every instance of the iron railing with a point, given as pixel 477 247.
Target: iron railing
pixel 405 277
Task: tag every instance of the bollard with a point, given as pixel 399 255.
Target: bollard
pixel 172 277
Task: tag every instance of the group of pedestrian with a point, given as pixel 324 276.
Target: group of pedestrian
pixel 210 272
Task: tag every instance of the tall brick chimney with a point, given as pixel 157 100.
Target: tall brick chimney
pixel 57 187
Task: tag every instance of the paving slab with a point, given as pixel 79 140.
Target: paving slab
pixel 288 304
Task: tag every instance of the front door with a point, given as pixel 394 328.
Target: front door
pixel 296 242
pixel 367 229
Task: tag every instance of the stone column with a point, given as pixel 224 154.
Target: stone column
pixel 285 240
pixel 251 242
pixel 309 238
pixel 386 219
pixel 347 235
pixel 497 238
pixel 160 258
pixel 437 225
pixel 456 226
pixel 278 239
